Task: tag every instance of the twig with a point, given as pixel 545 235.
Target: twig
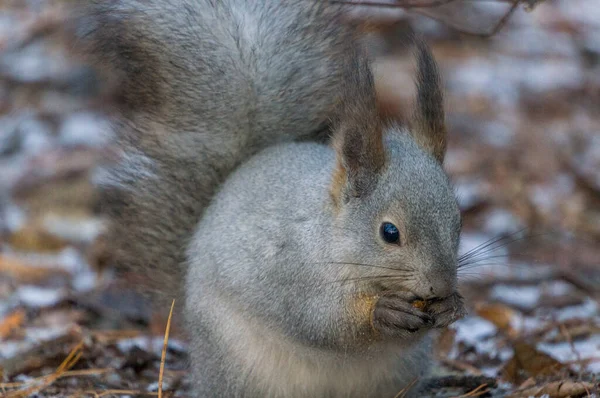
pixel 399 4
pixel 565 332
pixel 422 4
pixel 461 366
pixel 70 373
pixel 113 392
pixel 46 381
pixel 502 21
pixel 403 392
pixel 480 390
pixel 465 382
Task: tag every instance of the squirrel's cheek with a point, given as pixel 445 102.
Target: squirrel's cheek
pixel 361 311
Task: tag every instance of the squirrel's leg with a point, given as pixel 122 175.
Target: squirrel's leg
pixel 209 377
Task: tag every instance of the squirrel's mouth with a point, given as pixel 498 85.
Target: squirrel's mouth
pixel 383 287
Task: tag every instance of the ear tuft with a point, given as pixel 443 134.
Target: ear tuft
pixel 428 126
pixel 358 135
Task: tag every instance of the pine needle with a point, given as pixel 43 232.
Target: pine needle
pixel 164 352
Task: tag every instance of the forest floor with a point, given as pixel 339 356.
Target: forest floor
pixel 523 111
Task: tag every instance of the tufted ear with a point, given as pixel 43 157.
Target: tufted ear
pixel 428 126
pixel 358 136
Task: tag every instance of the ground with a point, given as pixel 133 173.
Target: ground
pixel 524 156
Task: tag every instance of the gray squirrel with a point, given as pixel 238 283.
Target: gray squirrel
pixel 308 269
pixel 318 271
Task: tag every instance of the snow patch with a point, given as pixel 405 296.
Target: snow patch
pixel 517 296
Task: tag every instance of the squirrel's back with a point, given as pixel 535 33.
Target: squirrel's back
pixel 201 86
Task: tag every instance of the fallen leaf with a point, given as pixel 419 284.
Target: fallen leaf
pixel 557 389
pixel 35 238
pixel 25 273
pixel 11 322
pixel 574 332
pixel 500 315
pixel 529 362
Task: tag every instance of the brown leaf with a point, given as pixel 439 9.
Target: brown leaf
pixel 529 362
pixel 557 389
pixel 574 332
pixel 23 272
pixel 499 314
pixel 35 238
pixel 11 322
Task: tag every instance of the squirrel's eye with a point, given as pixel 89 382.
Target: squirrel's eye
pixel 390 233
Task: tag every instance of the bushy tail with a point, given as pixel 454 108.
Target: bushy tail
pixel 201 86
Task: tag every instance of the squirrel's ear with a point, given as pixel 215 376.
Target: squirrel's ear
pixel 358 136
pixel 428 126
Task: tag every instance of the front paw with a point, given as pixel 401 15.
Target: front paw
pixel 394 315
pixel 447 310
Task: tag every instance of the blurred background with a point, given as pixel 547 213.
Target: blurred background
pixel 523 111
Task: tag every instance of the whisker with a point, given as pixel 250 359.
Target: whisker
pixel 489 243
pixel 478 256
pixel 478 251
pixel 475 261
pixel 470 277
pixel 492 249
pixel 367 278
pixel 479 265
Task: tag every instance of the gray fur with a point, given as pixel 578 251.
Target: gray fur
pixel 260 276
pixel 278 267
pixel 201 86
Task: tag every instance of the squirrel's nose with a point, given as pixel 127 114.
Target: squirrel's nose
pixel 438 286
pixel 439 292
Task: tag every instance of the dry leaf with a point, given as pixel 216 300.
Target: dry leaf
pixel 11 322
pixel 35 238
pixel 557 389
pixel 529 362
pixel 25 273
pixel 500 315
pixel 574 332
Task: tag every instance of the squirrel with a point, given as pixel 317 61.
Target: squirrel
pixel 199 86
pixel 318 270
pixel 308 269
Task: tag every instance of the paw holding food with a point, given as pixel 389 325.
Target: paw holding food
pixel 396 314
pixel 443 311
pixel 447 310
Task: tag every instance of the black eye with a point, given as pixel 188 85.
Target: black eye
pixel 390 233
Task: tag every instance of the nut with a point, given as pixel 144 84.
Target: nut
pixel 420 304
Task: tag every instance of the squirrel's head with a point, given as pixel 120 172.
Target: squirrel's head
pixel 394 206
